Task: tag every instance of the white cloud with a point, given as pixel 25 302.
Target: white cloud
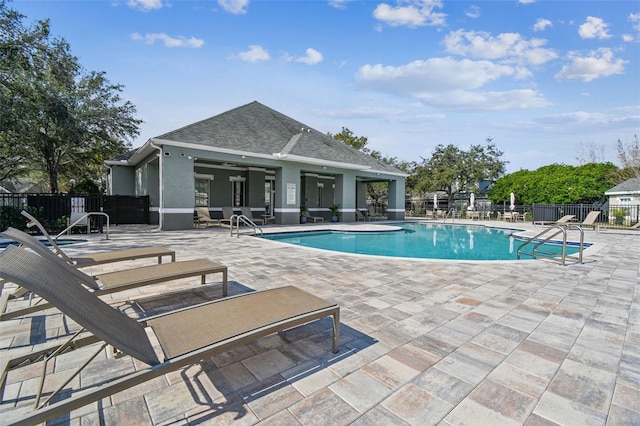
pixel 312 57
pixel 447 82
pixel 488 101
pixel 627 37
pixel 145 4
pixel 168 41
pixel 594 28
pixel 635 18
pixel 526 1
pixel 621 117
pixel 599 63
pixel 339 4
pixel 380 113
pixel 236 7
pixel 411 13
pixel 254 54
pixel 542 24
pixel 510 47
pixel 473 12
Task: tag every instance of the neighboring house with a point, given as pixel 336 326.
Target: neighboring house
pixel 256 157
pixel 626 193
pixel 625 197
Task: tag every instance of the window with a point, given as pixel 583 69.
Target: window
pixel 269 197
pixel 237 191
pixel 202 193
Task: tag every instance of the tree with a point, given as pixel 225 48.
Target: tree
pixel 376 191
pixel 59 119
pixel 555 184
pixel 347 137
pixel 451 169
pixel 629 157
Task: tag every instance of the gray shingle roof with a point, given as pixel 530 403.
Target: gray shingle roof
pixel 259 129
pixel 628 186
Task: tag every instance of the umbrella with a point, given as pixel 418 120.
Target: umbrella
pixel 435 200
pixel 472 202
pixel 513 201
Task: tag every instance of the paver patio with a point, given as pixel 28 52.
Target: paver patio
pixel 422 341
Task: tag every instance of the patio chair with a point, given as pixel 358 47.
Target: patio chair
pixel 360 216
pixel 590 220
pixel 372 215
pixel 184 336
pixel 565 220
pixel 227 212
pixel 100 258
pixel 110 282
pixel 204 218
pixel 315 219
pixel 246 211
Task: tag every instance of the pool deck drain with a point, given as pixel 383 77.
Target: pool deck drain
pixel 423 341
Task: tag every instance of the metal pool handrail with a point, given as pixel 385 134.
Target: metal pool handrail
pixel 68 228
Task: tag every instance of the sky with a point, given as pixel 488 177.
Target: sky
pixel 547 81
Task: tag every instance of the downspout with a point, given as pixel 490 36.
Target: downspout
pixel 160 183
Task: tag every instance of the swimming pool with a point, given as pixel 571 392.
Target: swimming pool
pixel 4 243
pixel 421 240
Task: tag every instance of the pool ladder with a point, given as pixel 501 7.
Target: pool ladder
pixel 536 252
pixel 246 221
pixel 452 212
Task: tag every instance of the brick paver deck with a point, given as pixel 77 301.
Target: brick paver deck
pixel 423 341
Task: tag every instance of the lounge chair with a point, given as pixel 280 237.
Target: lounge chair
pixel 372 215
pixel 101 258
pixel 185 336
pixel 590 220
pixel 315 219
pixel 360 216
pixel 636 226
pixel 204 218
pixel 565 220
pixel 246 211
pixel 109 282
pixel 227 213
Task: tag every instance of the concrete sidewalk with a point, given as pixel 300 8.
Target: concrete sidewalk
pixel 423 341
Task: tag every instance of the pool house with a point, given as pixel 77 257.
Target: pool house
pixel 251 156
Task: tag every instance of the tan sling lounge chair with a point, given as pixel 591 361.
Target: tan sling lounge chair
pixel 110 282
pixel 227 213
pixel 372 215
pixel 360 216
pixel 590 220
pixel 565 220
pixel 246 211
pixel 185 336
pixel 315 219
pixel 100 258
pixel 204 218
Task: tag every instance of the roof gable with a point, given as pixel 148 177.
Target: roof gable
pixel 627 187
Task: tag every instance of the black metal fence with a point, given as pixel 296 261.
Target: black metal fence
pixel 55 210
pixel 612 215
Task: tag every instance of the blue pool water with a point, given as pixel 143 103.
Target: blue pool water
pixel 421 240
pixel 4 243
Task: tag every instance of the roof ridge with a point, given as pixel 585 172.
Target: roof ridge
pixel 291 144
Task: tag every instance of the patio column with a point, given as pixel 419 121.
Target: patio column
pixel 396 200
pixel 178 191
pixel 287 196
pixel 345 195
